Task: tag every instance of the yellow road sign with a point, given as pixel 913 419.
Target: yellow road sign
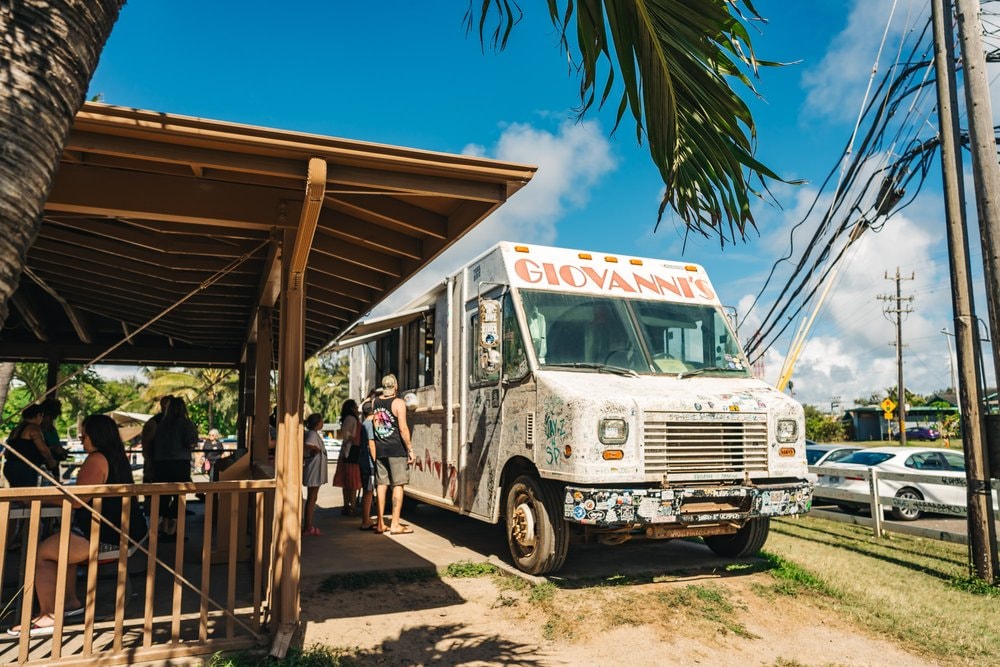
pixel 888 415
pixel 888 405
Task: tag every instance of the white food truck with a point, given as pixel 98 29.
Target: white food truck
pixel 582 394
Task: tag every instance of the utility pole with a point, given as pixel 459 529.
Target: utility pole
pixel 899 311
pixel 981 528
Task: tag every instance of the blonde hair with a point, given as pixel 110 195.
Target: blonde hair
pixel 389 381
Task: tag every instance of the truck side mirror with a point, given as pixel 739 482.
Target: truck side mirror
pixel 489 335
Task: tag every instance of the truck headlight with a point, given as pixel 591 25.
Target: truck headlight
pixel 788 430
pixel 612 431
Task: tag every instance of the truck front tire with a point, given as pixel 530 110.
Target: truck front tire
pixel 537 534
pixel 747 541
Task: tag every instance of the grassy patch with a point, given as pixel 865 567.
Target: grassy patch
pixel 467 569
pixel 793 579
pixel 976 586
pixel 913 590
pixel 354 581
pixel 314 656
pixel 542 592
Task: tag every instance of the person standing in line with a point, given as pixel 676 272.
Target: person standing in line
pixel 313 470
pixel 393 453
pixel 348 474
pixel 146 445
pixel 176 436
pixel 366 466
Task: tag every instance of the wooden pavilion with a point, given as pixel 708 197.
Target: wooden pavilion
pixel 170 240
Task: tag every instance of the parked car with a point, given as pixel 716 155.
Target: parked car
pixel 932 462
pixel 921 433
pixel 817 454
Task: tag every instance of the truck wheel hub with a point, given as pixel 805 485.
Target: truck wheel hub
pixel 523 528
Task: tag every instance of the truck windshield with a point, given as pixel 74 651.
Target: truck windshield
pixel 588 332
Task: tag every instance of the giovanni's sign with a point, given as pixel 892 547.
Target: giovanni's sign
pixel 591 273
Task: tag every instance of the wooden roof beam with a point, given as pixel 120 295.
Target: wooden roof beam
pixel 76 319
pixel 312 205
pixel 419 184
pixel 192 156
pixel 54 261
pixel 127 194
pixel 392 213
pixel 32 318
pixel 114 250
pixel 372 235
pixel 155 241
pixel 140 355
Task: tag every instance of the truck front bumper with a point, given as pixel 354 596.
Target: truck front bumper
pixel 618 508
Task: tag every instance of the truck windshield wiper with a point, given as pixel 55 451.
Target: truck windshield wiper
pixel 710 369
pixel 603 368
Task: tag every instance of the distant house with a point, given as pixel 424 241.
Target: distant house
pixel 949 397
pixel 869 423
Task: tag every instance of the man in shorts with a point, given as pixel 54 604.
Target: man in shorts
pixel 393 453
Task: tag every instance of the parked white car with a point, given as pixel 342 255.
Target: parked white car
pixel 821 454
pixel 946 466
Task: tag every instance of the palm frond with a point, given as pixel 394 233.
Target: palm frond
pixel 675 61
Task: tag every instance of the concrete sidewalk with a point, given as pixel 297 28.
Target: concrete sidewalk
pixel 439 538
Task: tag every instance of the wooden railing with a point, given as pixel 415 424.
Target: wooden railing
pixel 206 592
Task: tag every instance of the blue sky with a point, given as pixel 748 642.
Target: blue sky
pixel 405 73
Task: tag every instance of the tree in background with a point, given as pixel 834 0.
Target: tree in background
pixel 823 427
pixel 85 393
pixel 211 394
pixel 326 385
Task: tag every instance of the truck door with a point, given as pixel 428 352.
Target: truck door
pixel 477 470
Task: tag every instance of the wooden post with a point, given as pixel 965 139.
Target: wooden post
pixel 262 386
pixel 291 373
pixel 986 179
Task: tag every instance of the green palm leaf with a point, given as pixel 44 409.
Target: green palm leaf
pixel 675 60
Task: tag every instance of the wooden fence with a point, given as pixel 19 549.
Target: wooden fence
pixel 206 592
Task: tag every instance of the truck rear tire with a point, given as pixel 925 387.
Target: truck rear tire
pixel 747 541
pixel 537 533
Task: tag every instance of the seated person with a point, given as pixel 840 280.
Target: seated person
pixel 28 440
pixel 106 463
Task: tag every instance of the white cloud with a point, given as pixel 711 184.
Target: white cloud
pixel 570 161
pixel 837 85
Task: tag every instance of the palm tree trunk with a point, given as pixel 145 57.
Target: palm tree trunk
pixel 48 53
pixel 6 375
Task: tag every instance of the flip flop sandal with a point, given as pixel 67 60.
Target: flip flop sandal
pixel 34 631
pixel 402 531
pixel 73 612
pixel 371 527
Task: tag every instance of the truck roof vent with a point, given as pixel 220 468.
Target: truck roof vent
pixel 529 429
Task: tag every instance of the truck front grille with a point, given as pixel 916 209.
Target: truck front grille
pixel 702 443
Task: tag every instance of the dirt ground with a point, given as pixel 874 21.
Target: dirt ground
pixel 704 620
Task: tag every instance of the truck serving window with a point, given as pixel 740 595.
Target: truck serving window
pixel 631 335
